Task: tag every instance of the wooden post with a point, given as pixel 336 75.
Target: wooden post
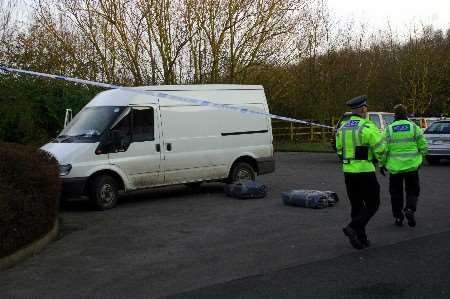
pixel 312 133
pixel 292 131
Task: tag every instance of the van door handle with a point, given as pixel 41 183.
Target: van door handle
pixel 158 147
pixel 169 146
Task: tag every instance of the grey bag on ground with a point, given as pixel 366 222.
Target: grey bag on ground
pixel 245 189
pixel 310 198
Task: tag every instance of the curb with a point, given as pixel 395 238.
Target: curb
pixel 30 250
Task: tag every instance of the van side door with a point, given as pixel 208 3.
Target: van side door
pixel 192 148
pixel 140 154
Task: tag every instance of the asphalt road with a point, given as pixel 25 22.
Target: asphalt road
pixel 201 244
pixel 416 268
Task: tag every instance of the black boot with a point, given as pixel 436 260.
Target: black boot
pixel 399 221
pixel 409 214
pixel 362 237
pixel 364 241
pixel 352 237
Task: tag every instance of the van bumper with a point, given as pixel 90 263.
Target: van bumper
pixel 265 165
pixel 73 186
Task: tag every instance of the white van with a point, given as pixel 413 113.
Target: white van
pixel 125 140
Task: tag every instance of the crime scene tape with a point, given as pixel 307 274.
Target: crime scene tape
pixel 157 94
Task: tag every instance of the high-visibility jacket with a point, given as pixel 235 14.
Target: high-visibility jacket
pixel 358 131
pixel 406 147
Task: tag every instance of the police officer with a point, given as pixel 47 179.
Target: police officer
pixel 406 147
pixel 359 143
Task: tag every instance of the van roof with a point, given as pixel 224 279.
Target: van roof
pixel 232 94
pixel 202 87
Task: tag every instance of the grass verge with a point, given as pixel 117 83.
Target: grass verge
pixel 303 147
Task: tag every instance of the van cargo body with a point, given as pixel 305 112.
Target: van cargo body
pixel 126 140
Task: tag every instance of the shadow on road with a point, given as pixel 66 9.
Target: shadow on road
pixel 82 204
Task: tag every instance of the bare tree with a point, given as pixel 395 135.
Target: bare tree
pixel 8 26
pixel 232 35
pixel 416 71
pixel 167 31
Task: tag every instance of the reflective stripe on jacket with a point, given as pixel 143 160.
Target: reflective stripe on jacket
pixel 358 131
pixel 406 147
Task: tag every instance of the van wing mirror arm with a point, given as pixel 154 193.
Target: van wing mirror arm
pixel 111 142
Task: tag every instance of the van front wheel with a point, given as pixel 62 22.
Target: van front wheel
pixel 242 171
pixel 103 192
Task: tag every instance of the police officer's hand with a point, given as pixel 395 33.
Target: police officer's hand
pixel 383 170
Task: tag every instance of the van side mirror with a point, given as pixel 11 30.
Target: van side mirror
pixel 111 142
pixel 106 144
pixel 116 138
pixel 120 141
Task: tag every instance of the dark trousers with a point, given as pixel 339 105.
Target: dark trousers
pixel 411 181
pixel 363 192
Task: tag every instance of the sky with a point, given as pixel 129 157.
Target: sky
pixel 400 14
pixel 377 14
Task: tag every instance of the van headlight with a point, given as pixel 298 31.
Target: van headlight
pixel 64 169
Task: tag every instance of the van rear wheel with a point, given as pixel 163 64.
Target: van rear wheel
pixel 103 192
pixel 241 171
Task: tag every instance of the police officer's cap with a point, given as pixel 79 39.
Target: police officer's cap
pixel 357 102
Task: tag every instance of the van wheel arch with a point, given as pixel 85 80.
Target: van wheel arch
pixel 242 161
pixel 111 173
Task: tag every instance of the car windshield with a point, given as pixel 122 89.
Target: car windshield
pixel 388 119
pixel 438 128
pixel 89 123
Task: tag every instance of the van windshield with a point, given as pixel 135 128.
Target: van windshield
pixel 89 124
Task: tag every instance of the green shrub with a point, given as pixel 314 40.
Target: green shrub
pixel 22 98
pixel 288 146
pixel 29 192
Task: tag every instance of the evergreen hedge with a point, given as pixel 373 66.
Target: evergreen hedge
pixel 29 193
pixel 32 109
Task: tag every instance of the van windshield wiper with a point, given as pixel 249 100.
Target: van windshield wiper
pixel 70 138
pixel 86 135
pixel 62 138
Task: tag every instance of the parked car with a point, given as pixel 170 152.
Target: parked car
pixel 380 119
pixel 430 120
pixel 424 122
pixel 438 137
pixel 124 140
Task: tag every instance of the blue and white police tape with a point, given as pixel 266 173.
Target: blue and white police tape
pixel 158 94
